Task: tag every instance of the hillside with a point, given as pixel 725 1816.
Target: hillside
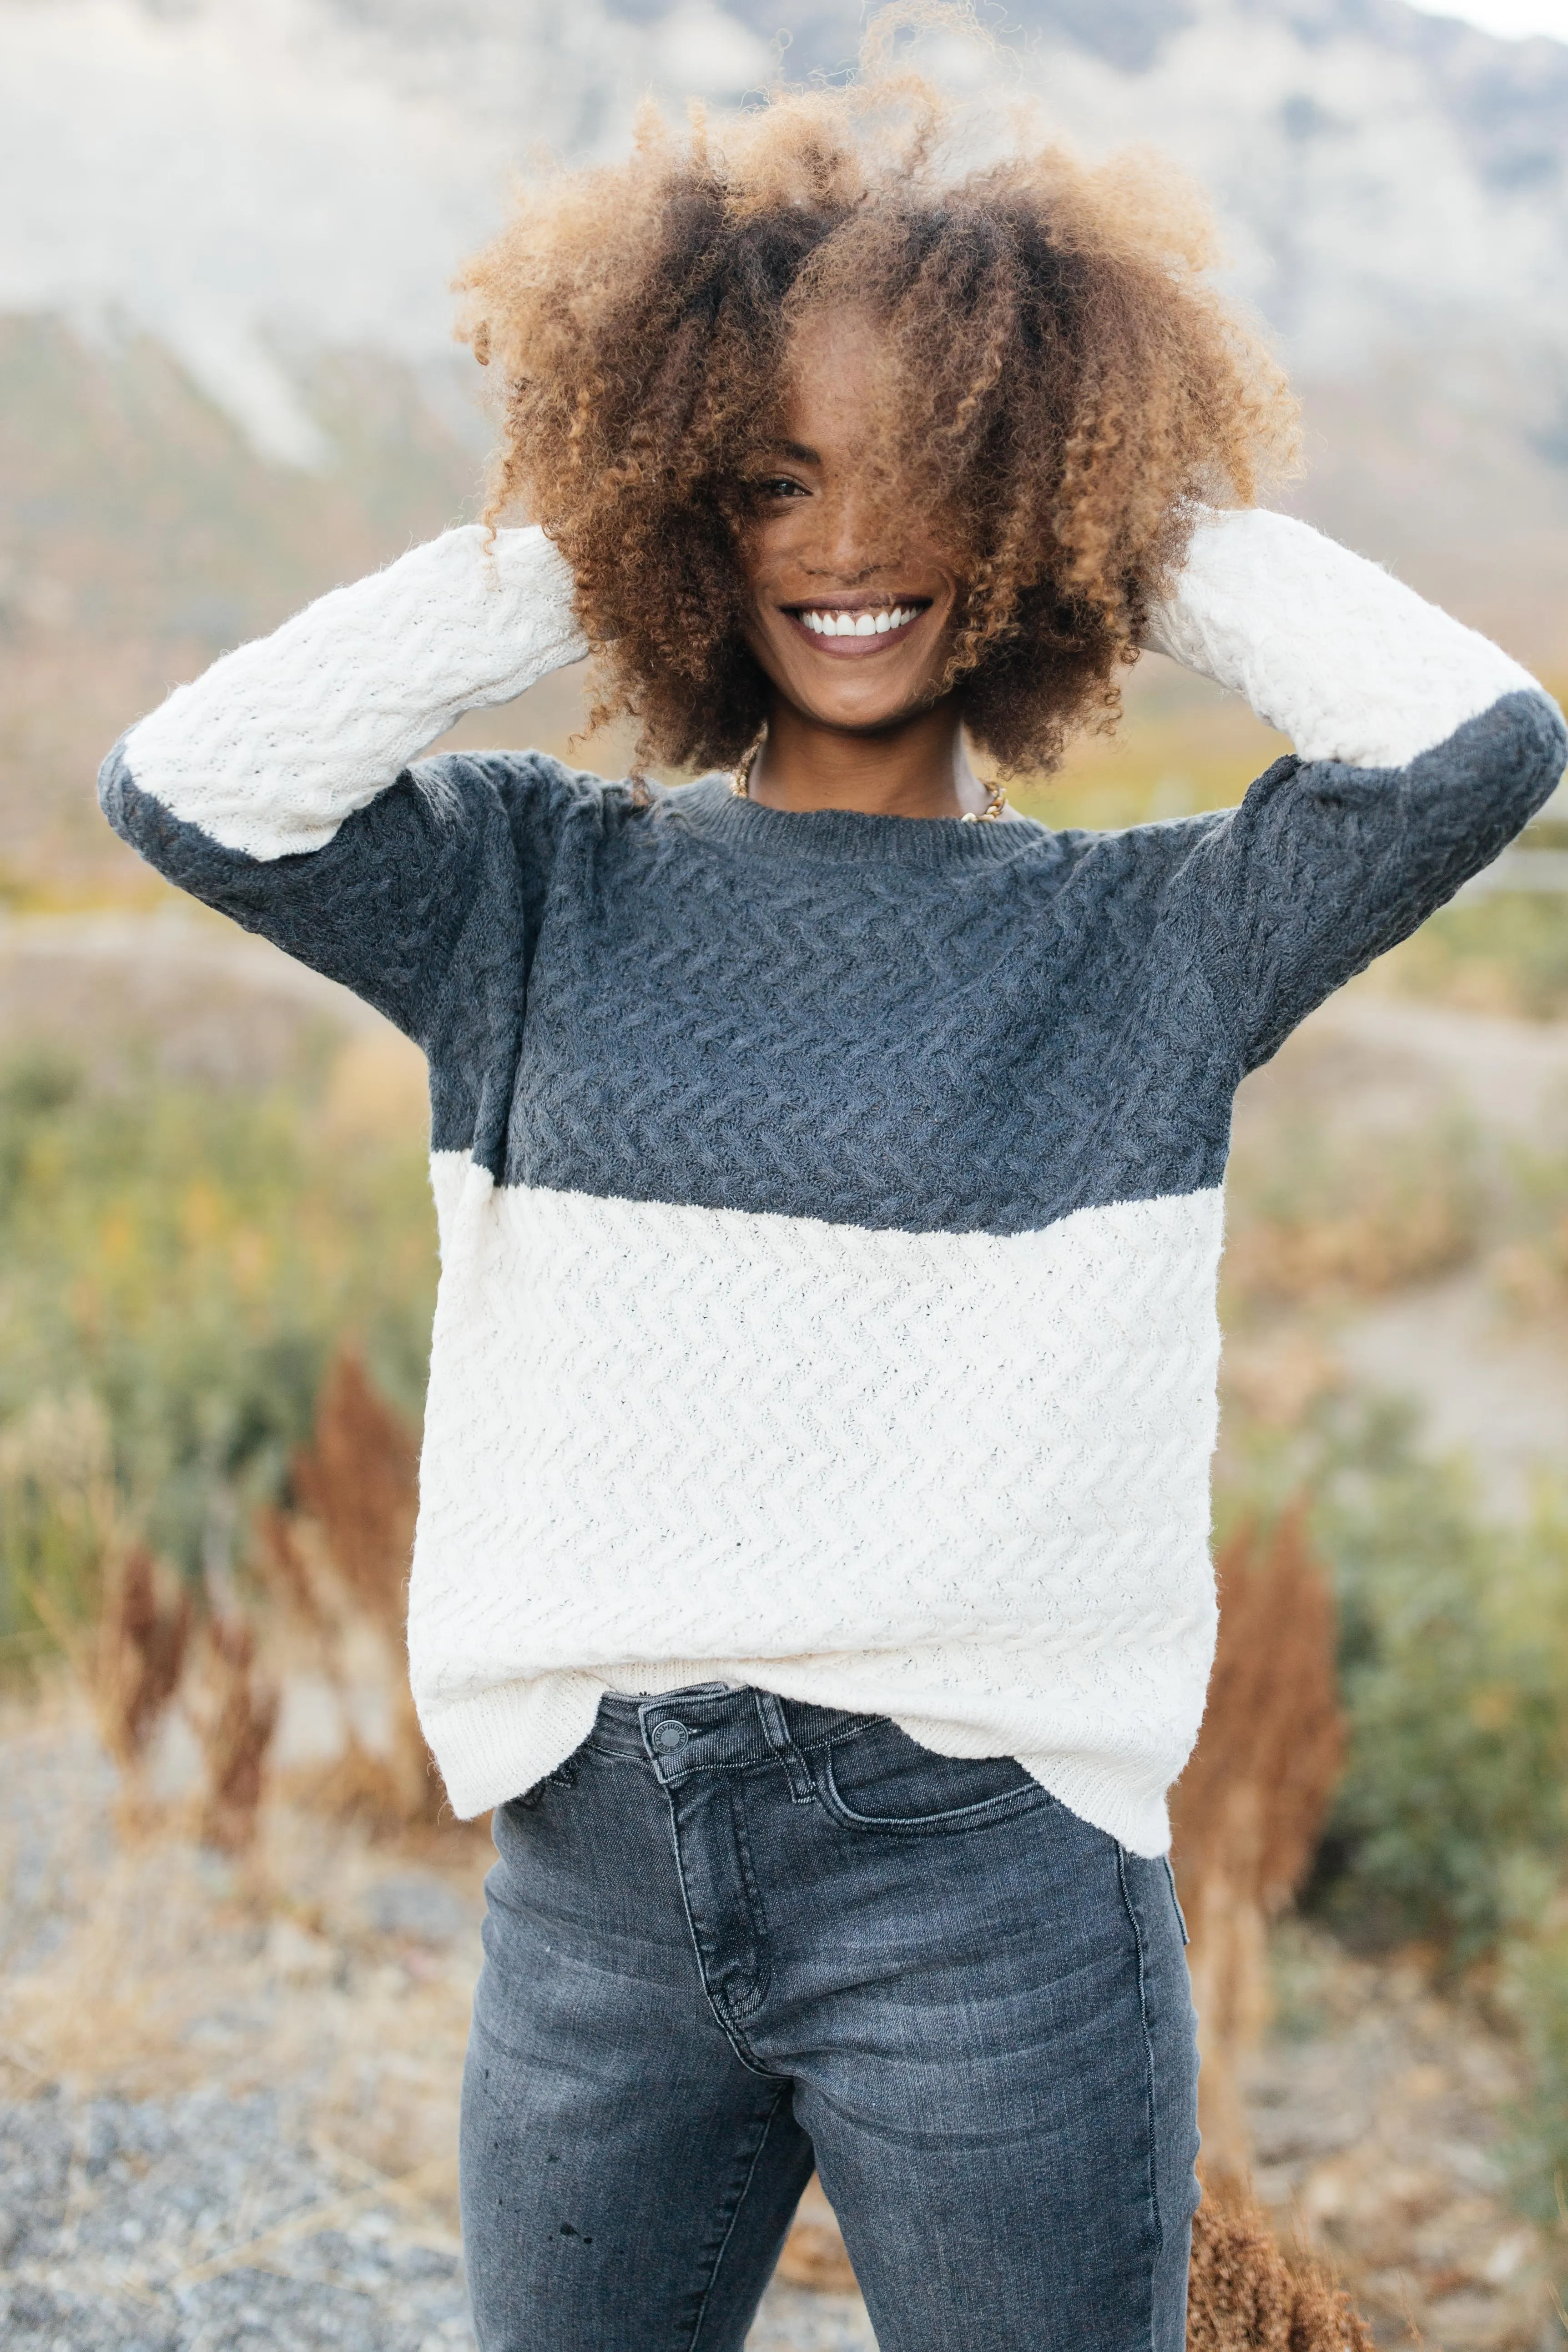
pixel 227 228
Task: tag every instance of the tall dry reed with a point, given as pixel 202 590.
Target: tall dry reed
pixel 136 1653
pixel 1248 1810
pixel 234 1710
pixel 339 1562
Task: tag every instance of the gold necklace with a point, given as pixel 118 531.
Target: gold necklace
pixel 741 787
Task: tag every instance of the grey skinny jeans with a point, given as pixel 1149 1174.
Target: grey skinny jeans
pixel 733 1937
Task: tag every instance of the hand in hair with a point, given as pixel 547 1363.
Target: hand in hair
pixel 1061 386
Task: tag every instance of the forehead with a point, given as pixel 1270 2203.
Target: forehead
pixel 834 363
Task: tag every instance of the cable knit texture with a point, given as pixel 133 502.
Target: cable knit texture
pixel 830 1205
pixel 1352 666
pixel 278 742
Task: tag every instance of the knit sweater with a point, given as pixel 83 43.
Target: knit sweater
pixel 829 1204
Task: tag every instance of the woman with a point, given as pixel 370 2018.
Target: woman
pixel 813 1563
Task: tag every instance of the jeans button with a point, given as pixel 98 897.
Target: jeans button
pixel 669 1736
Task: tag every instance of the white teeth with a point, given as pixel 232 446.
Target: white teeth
pixel 858 624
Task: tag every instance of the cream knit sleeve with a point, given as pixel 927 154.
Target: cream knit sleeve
pixel 1347 662
pixel 272 748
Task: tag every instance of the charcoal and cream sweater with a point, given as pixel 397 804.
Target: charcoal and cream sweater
pixel 829 1204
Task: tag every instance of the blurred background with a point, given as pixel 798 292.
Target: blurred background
pixel 238 1936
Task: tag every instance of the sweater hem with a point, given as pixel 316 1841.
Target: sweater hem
pixel 500 1743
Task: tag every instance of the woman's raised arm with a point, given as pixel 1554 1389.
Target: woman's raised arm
pixel 1421 749
pixel 277 786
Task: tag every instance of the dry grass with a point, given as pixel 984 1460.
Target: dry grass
pixel 359 1480
pixel 135 1655
pixel 167 1965
pixel 335 1570
pixel 338 1564
pixel 814 2252
pixel 1249 1809
pixel 1381 1240
pixel 1244 2291
pixel 235 1713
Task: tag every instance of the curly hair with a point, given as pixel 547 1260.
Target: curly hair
pixel 1061 385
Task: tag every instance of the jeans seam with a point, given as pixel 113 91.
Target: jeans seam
pixel 1149 2119
pixel 763 1978
pixel 779 2097
pixel 720 2011
pixel 1176 1900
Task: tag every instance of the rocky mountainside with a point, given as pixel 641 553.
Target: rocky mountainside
pixel 249 178
pixel 227 228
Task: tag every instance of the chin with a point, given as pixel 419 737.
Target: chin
pixel 864 714
pixel 861 721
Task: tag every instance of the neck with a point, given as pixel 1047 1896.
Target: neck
pixel 918 768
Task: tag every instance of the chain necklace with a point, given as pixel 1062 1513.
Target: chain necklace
pixel 741 786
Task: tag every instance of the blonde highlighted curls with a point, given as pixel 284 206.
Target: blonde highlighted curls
pixel 1061 385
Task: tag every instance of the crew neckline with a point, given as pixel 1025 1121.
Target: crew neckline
pixel 837 836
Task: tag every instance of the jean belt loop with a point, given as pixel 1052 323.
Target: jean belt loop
pixel 776 1730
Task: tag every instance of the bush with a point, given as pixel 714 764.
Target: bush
pixel 177 1263
pixel 1451 1820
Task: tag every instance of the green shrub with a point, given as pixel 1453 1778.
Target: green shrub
pixel 178 1263
pixel 1451 1821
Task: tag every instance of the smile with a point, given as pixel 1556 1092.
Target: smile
pixel 857 627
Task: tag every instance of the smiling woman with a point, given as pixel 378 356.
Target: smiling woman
pixel 813 1562
pixel 824 357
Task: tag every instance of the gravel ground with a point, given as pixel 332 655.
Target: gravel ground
pixel 1378 2110
pixel 194 2225
pixel 227 2098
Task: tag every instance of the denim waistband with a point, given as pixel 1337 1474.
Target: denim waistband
pixel 713 1725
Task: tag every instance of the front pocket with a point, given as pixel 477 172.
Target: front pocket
pixel 880 1779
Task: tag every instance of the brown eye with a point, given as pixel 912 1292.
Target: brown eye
pixel 780 486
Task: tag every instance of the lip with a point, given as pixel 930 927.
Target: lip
pixel 854 648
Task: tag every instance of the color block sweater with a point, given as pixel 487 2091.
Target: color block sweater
pixel 829 1205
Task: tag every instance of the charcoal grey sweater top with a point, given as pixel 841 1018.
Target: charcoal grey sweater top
pixel 829 1205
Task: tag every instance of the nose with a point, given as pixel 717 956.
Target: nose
pixel 843 547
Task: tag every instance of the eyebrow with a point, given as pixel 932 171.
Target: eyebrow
pixel 795 449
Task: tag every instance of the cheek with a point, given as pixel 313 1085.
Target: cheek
pixel 766 546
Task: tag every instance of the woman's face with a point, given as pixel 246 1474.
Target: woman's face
pixel 852 612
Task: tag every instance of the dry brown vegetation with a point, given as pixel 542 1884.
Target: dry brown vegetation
pixel 235 1712
pixel 1249 1809
pixel 337 1564
pixel 335 1573
pixel 169 1967
pixel 137 1652
pixel 1353 1226
pixel 1244 2290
